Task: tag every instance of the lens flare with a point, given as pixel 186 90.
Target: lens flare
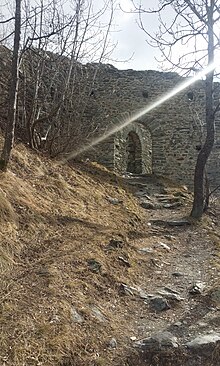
pixel 135 116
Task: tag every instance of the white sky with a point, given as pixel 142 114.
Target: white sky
pixel 132 47
pixel 132 50
pixel 131 40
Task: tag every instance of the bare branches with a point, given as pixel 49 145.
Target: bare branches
pixel 196 12
pixel 186 27
pixel 187 42
pixel 140 9
pixel 7 20
pixel 13 92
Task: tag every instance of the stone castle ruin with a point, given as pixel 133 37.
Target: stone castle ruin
pixel 164 142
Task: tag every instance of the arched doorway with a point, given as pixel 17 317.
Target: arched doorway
pixel 134 153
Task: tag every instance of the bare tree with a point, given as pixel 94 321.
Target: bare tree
pixel 193 30
pixel 61 85
pixel 54 88
pixel 13 91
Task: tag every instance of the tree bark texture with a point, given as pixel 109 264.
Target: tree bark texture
pixel 198 202
pixel 13 92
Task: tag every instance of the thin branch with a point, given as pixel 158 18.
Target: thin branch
pixel 7 20
pixel 196 12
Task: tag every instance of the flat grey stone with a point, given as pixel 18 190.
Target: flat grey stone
pixel 98 314
pixel 114 201
pixel 112 343
pixel 147 205
pixel 177 274
pixel 171 205
pixel 145 250
pixel 76 317
pixel 159 303
pixel 203 340
pixel 143 295
pixel 182 222
pixel 170 290
pixel 163 245
pixel 94 265
pixel 215 295
pixel 115 244
pixel 178 324
pixel 197 288
pixel 202 324
pixel 133 291
pixel 170 295
pixel 158 341
pixel 142 194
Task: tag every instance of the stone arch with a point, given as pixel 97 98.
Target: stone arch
pixel 133 150
pixel 134 153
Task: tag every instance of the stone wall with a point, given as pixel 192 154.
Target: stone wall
pixel 121 154
pixel 170 135
pixel 164 141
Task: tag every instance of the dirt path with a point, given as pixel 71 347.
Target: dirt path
pixel 183 262
pixel 179 266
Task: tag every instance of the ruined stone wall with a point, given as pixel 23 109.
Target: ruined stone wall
pixel 174 129
pixel 103 98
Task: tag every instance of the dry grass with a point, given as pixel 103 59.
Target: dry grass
pixel 55 221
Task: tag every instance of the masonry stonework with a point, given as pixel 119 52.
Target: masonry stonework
pixel 169 136
pixel 164 141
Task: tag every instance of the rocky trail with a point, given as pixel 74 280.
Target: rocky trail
pixel 183 311
pixel 102 270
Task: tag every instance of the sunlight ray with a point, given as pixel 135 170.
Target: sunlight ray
pixel 137 115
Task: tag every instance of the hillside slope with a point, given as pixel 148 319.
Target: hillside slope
pixel 70 242
pixel 56 225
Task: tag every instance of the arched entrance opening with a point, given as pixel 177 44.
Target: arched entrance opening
pixel 134 153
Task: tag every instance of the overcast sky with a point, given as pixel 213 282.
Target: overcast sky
pixel 132 47
pixel 132 44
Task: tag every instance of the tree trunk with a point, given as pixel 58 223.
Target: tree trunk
pixel 13 92
pixel 198 203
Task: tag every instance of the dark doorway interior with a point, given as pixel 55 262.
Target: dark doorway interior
pixel 134 154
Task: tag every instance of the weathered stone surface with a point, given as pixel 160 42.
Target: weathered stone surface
pixel 164 141
pixel 204 340
pixel 197 288
pixel 158 342
pixel 133 291
pixel 76 317
pixel 159 303
pixel 94 265
pixel 147 205
pixel 215 295
pixel 170 295
pixel 96 312
pixel 163 245
pixel 181 222
pixel 177 274
pixel 114 244
pixel 145 250
pixel 114 201
pixel 112 343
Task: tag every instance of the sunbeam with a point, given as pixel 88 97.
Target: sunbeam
pixel 135 116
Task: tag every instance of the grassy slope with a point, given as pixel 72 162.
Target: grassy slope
pixel 53 220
